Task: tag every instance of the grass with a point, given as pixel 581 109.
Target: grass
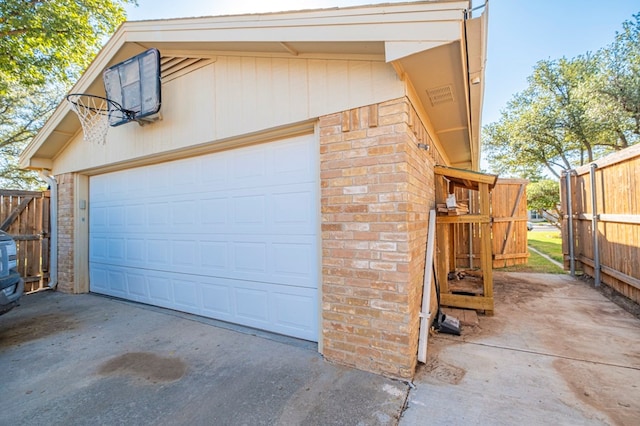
pixel 549 243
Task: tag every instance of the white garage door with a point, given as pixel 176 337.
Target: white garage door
pixel 231 236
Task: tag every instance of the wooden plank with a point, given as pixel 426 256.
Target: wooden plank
pixel 14 213
pixel 612 159
pixel 632 219
pixel 465 218
pixel 485 260
pixel 470 302
pixel 465 174
pixel 510 219
pixel 632 281
pixel 510 256
pixel 19 193
pixel 36 237
pixel 513 213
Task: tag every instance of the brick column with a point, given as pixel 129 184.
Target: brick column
pixel 377 187
pixel 65 233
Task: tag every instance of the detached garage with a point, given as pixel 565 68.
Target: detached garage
pixel 287 180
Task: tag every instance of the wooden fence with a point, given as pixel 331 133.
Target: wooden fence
pixel 25 216
pixel 509 228
pixel 605 219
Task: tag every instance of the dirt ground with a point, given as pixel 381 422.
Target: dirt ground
pixel 555 352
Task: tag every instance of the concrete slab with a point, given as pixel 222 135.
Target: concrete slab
pixel 556 352
pixel 87 360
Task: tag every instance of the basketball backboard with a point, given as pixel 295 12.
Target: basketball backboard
pixel 134 84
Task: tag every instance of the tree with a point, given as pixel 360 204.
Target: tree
pixel 544 196
pixel 44 46
pixel 572 112
pixel 620 84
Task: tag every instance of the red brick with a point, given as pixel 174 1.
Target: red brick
pixel 383 266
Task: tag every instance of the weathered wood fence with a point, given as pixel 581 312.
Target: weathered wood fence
pixel 509 227
pixel 25 216
pixel 601 217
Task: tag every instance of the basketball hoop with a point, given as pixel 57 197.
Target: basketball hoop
pixel 94 113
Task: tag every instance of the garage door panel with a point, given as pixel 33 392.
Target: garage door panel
pixel 185 295
pixel 216 300
pixel 252 305
pixel 136 285
pixel 286 259
pixel 214 255
pixel 159 287
pixel 275 307
pixel 294 311
pixel 232 236
pixel 214 213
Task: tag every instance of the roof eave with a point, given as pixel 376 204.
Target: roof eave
pixel 396 25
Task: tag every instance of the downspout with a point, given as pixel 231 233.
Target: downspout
pixel 425 311
pixel 569 189
pixel 594 225
pixel 53 220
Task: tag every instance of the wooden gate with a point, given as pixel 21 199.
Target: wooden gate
pixel 509 228
pixel 509 211
pixel 25 216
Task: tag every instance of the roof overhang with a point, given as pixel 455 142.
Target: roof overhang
pixel 431 44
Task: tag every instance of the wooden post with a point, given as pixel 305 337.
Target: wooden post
pixel 486 255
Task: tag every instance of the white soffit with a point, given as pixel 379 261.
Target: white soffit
pixel 399 49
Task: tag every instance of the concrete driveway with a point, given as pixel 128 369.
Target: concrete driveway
pixel 90 360
pixel 557 352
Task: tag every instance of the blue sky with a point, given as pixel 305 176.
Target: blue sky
pixel 521 32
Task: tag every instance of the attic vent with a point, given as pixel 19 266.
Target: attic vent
pixel 172 67
pixel 440 95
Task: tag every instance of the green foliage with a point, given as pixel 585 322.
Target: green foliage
pixel 572 112
pixel 44 46
pixel 543 195
pixel 53 39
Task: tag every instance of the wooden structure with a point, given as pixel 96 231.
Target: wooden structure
pixel 25 216
pixel 447 179
pixel 509 212
pixel 509 226
pixel 605 220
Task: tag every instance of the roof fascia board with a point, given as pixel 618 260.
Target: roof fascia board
pixel 214 54
pixel 369 31
pixel 399 12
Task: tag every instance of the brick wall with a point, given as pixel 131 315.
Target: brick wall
pixel 65 232
pixel 376 191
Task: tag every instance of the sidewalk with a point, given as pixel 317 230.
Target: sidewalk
pixel 556 352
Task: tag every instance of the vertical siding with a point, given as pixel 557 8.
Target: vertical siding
pixel 236 96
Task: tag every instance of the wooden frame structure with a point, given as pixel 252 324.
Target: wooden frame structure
pixel 483 183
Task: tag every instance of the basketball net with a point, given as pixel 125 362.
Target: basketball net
pixel 93 114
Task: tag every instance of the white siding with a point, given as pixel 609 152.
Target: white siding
pixel 236 96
